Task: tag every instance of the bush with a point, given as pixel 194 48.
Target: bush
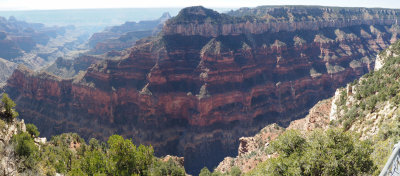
pixel 26 149
pixel 94 162
pixel 205 172
pixel 167 168
pixel 127 158
pixel 288 143
pixel 76 172
pixel 2 124
pixel 333 152
pixel 235 171
pixel 24 144
pixel 32 130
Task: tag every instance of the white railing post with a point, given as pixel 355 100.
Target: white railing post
pixel 392 166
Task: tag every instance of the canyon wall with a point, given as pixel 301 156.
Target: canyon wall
pixel 19 37
pixel 34 45
pixel 193 92
pixel 124 36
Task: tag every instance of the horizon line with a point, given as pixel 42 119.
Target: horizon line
pixel 181 7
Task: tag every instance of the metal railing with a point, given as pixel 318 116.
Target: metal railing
pixel 392 166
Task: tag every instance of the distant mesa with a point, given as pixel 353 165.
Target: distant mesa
pixel 124 36
pixel 31 44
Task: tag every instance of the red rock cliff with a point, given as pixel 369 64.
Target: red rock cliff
pixel 195 95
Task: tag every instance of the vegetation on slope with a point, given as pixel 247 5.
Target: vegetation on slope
pixel 69 154
pixel 331 152
pixel 235 171
pixel 372 91
pixel 202 15
pixel 372 107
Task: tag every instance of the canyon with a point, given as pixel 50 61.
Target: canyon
pixel 34 45
pixel 125 35
pixel 107 44
pixel 208 78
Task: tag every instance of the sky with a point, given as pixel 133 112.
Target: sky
pixel 89 4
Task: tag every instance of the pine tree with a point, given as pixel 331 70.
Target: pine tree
pixel 9 112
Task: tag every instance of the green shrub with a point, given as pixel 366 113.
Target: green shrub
pixel 32 130
pixel 94 162
pixel 288 143
pixel 235 171
pixel 205 172
pixel 217 173
pixel 333 152
pixel 76 172
pixel 2 124
pixel 166 168
pixel 24 144
pixel 347 124
pixel 127 158
pixel 26 149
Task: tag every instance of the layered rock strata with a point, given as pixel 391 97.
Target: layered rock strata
pixel 34 44
pixel 124 36
pixel 194 93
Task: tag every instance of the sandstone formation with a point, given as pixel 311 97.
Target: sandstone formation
pixel 196 88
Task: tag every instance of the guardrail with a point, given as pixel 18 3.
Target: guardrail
pixel 392 166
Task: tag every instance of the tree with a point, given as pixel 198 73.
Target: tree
pixel 94 162
pixel 205 172
pixel 127 158
pixel 26 149
pixel 331 152
pixel 144 158
pixel 336 152
pixel 122 153
pixel 170 168
pixel 32 130
pixel 24 144
pixel 288 143
pixel 9 111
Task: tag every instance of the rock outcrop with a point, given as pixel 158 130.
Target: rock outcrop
pixel 8 159
pixel 194 92
pixel 252 150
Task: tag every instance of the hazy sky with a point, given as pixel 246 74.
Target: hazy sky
pixel 84 4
